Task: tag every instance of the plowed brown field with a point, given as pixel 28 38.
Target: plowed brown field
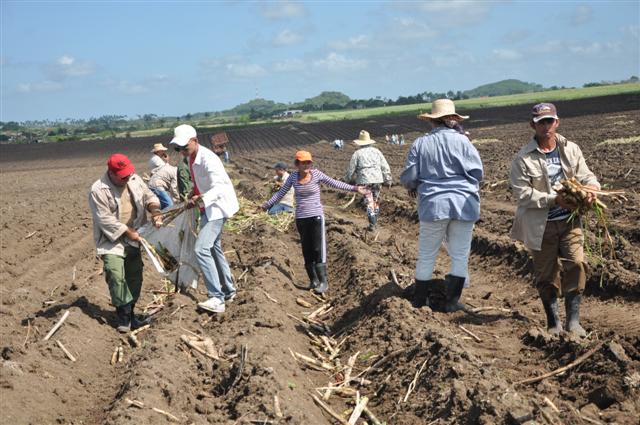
pixel 46 241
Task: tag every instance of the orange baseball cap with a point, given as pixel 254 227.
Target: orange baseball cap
pixel 303 156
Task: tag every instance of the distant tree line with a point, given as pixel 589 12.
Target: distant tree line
pixel 110 125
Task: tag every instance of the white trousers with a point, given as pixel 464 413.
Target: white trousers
pixel 457 237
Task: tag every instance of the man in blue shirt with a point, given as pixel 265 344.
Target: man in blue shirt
pixel 443 170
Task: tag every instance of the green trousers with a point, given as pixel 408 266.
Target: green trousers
pixel 124 276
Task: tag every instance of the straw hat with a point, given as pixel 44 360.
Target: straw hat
pixel 364 139
pixel 442 108
pixel 158 147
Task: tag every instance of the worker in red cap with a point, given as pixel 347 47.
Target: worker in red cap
pixel 119 201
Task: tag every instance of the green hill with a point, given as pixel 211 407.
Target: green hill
pixel 258 106
pixel 504 87
pixel 325 100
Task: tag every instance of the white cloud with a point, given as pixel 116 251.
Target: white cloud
pixel 281 10
pixel 453 57
pixel 335 62
pixel 460 12
pixel 581 14
pixel 66 60
pixel 632 31
pixel 40 87
pixel 67 66
pixel 356 42
pixel 289 65
pixel 236 67
pixel 141 86
pixel 506 54
pixel 411 29
pixel 286 38
pixel 126 86
pixel 249 70
pixel 595 48
pixel 158 79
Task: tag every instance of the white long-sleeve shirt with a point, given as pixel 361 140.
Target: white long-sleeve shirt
pixel 214 185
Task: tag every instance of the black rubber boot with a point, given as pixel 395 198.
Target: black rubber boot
pixel 313 277
pixel 373 223
pixel 421 293
pixel 124 318
pixel 550 304
pixel 572 307
pixel 138 322
pixel 453 291
pixel 321 272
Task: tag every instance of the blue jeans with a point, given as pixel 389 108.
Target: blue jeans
pixel 214 266
pixel 279 208
pixel 164 197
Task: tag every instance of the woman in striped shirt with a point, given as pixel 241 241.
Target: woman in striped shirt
pixel 310 215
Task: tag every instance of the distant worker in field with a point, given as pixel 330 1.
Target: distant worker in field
pixel 338 144
pixel 164 183
pixel 220 149
pixel 543 218
pixel 214 195
pixel 443 170
pixel 286 203
pixel 368 167
pixel 159 157
pixel 306 182
pixel 119 202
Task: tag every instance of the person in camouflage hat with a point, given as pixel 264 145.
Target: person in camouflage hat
pixel 368 167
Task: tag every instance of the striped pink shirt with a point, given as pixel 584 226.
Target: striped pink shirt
pixel 307 195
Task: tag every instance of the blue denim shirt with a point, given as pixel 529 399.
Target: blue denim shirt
pixel 445 169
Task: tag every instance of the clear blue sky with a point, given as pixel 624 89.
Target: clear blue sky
pixel 84 59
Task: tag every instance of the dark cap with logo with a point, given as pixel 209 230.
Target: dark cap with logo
pixel 544 110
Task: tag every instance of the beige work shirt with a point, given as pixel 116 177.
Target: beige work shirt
pixel 165 178
pixel 104 201
pixel 288 198
pixel 532 189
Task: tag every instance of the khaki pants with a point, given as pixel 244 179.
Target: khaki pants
pixel 562 249
pixel 124 276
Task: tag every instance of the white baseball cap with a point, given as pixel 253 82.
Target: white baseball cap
pixel 182 134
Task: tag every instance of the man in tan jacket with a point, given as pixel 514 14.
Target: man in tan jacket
pixel 119 201
pixel 543 218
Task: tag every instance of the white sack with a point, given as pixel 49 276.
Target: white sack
pixel 179 238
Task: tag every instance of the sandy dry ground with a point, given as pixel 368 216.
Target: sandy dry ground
pixel 46 241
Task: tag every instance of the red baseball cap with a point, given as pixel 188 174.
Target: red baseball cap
pixel 120 165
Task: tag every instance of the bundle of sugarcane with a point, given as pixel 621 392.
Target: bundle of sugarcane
pixel 168 261
pixel 169 215
pixel 579 195
pixel 248 216
pixel 162 255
